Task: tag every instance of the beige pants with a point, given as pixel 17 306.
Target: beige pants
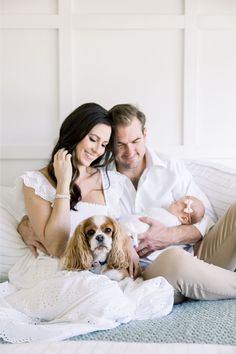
pixel 209 275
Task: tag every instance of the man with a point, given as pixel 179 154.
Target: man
pixel 157 182
pixel 157 179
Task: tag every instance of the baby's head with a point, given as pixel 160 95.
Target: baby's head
pixel 189 210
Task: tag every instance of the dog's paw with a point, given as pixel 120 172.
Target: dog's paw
pixel 114 274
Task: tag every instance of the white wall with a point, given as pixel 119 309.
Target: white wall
pixel 176 59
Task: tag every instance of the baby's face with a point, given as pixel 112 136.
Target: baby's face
pixel 177 208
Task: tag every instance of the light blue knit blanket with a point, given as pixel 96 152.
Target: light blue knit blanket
pixel 209 322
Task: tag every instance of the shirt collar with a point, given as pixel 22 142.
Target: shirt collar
pixel 152 159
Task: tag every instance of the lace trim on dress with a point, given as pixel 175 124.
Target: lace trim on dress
pixel 40 184
pixel 44 189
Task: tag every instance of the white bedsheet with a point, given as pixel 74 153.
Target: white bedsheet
pixel 95 347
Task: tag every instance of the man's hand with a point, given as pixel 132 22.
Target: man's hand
pixel 159 236
pixel 29 237
pixel 155 238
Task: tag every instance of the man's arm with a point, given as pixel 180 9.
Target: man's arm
pixel 159 236
pixel 29 237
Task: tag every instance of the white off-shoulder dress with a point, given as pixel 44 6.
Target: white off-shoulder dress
pixel 43 302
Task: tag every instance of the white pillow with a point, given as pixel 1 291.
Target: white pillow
pixel 12 246
pixel 217 182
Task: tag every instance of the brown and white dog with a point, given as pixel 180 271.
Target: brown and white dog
pixel 99 244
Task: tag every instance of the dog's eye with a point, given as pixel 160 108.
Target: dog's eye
pixel 107 230
pixel 90 232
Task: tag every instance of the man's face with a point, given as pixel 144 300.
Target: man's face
pixel 129 146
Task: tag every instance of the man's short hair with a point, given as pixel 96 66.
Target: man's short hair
pixel 123 114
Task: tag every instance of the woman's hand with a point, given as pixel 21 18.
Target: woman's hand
pixel 29 237
pixel 134 268
pixel 62 167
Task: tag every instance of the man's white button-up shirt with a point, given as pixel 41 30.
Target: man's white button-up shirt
pixel 165 180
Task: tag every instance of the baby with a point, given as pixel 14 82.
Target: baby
pixel 188 210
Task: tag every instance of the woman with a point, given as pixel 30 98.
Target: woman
pixel 71 177
pixel 71 188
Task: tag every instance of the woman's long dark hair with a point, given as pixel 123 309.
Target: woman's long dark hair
pixel 74 128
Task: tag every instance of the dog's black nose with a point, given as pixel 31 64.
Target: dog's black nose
pixel 100 238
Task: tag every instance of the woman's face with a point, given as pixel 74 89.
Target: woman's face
pixel 93 145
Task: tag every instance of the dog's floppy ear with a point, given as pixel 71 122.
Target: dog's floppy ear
pixel 119 255
pixel 78 254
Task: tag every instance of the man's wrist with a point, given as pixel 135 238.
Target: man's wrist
pixel 183 234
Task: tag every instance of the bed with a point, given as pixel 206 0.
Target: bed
pixel 192 327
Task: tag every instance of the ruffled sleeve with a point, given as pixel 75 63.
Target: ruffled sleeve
pixel 40 184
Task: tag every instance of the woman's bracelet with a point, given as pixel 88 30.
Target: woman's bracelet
pixel 62 196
